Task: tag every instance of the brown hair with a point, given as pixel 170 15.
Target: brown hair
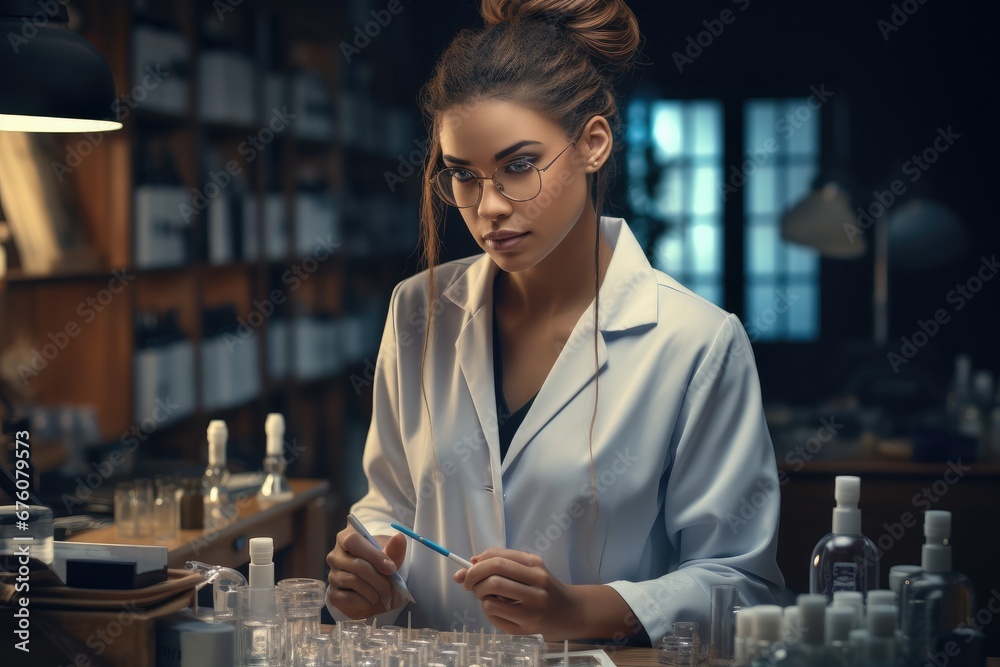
pixel 559 58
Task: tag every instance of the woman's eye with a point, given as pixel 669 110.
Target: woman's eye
pixel 462 175
pixel 518 167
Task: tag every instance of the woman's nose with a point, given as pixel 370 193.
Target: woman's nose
pixel 492 204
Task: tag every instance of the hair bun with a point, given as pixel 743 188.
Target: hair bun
pixel 607 29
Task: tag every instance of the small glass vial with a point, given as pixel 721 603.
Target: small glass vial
pixel 218 507
pixel 275 488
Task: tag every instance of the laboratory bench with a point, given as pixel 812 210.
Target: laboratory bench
pixel 298 527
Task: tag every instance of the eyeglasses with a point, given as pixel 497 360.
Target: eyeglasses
pixel 518 180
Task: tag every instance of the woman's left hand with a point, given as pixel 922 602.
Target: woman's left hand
pixel 520 596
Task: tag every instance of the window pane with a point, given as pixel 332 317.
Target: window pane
pixel 762 249
pixel 704 249
pixel 706 128
pixel 763 321
pixel 761 189
pixel 803 314
pixel 801 260
pixel 800 179
pixel 802 123
pixel 670 254
pixel 667 130
pixel 670 193
pixel 636 134
pixel 705 191
pixel 759 127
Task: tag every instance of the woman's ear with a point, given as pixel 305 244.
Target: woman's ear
pixel 595 143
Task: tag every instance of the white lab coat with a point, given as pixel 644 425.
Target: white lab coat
pixel 686 484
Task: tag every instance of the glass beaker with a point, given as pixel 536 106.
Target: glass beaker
pixel 299 602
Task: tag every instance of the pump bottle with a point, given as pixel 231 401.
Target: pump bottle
pixel 937 603
pixel 844 560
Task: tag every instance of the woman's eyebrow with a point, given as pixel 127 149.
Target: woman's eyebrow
pixel 499 156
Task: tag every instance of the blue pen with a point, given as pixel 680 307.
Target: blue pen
pixel 397 580
pixel 432 545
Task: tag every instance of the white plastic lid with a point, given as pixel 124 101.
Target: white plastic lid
pixel 744 622
pixel 854 600
pixel 839 621
pixel 274 428
pixel 882 620
pixel 847 516
pixel 218 434
pixel 935 556
pixel 900 573
pixel 767 622
pixel 261 550
pixel 790 624
pixel 880 597
pixel 812 609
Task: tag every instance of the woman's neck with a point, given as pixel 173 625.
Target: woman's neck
pixel 563 282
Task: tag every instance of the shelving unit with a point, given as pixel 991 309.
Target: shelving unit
pixel 348 288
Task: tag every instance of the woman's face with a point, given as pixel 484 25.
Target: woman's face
pixel 490 134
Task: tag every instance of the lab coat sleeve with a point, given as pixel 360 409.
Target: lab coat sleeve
pixel 390 497
pixel 722 499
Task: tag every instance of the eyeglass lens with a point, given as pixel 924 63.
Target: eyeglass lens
pixel 518 181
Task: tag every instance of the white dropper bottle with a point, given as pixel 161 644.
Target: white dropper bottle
pixel 275 488
pixel 262 602
pixel 844 560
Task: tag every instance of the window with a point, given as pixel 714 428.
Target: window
pixel 674 167
pixel 677 190
pixel 781 151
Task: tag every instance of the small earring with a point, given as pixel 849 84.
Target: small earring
pixel 595 163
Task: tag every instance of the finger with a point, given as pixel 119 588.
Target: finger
pixel 459 577
pixel 506 590
pixel 503 567
pixel 522 557
pixel 504 616
pixel 355 544
pixel 395 549
pixel 349 581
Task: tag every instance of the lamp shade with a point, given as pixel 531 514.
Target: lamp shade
pixel 51 79
pixel 822 221
pixel 924 233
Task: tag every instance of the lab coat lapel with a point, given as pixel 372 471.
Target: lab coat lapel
pixel 473 293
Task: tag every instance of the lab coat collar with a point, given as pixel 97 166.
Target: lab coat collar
pixel 628 293
pixel 628 301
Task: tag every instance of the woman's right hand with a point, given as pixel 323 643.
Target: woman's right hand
pixel 359 573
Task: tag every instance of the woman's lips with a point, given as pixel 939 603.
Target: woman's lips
pixel 504 242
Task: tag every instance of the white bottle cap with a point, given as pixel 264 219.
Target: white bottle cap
pixel 744 622
pixel 880 597
pixel 812 609
pixel 882 621
pixel 218 434
pixel 839 621
pixel 900 573
pixel 936 553
pixel 767 623
pixel 790 625
pixel 274 427
pixel 847 516
pixel 261 550
pixel 854 600
pixel 858 639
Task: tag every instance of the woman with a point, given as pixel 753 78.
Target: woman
pixel 584 427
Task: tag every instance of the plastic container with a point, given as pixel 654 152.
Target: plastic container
pixel 844 560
